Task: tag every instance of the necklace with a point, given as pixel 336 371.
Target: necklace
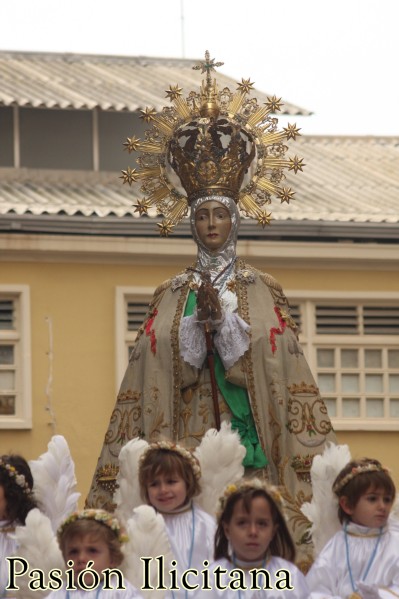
pixel 355 593
pixel 191 548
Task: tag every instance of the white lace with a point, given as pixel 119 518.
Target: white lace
pixel 192 341
pixel 231 340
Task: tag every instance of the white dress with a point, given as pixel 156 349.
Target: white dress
pixel 129 593
pixel 8 547
pixel 373 560
pixel 191 536
pixel 297 580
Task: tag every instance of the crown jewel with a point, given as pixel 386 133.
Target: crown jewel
pixel 212 143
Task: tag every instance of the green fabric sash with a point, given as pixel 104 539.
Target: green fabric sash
pixel 237 399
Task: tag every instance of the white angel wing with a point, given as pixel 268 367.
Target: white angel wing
pixel 147 538
pixel 37 544
pixel 322 511
pixel 220 455
pixel 54 481
pixel 127 494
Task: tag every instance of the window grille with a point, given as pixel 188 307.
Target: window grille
pixel 353 351
pixel 15 373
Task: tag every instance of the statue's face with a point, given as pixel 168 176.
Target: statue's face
pixel 213 224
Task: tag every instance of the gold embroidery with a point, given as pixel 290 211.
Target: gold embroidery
pixel 106 477
pixel 176 360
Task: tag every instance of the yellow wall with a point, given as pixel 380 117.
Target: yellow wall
pixel 80 300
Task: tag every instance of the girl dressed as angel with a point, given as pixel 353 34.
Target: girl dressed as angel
pixel 169 477
pixel 93 536
pixel 362 559
pixel 16 501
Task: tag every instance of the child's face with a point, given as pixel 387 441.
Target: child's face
pixel 3 504
pixel 167 493
pixel 371 510
pixel 88 548
pixel 250 534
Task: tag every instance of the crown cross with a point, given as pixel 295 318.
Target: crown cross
pixel 208 66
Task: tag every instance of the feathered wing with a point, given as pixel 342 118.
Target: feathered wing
pixel 54 481
pixel 147 538
pixel 322 511
pixel 127 494
pixel 37 544
pixel 220 455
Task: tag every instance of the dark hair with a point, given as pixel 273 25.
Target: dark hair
pixel 281 544
pixel 168 462
pixel 19 499
pixel 95 529
pixel 360 480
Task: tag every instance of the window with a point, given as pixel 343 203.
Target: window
pixel 131 308
pixel 6 136
pixel 56 139
pixel 15 372
pixel 353 350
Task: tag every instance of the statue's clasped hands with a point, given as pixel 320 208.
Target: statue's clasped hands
pixel 208 304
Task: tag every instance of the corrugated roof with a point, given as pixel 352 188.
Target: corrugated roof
pixel 354 179
pixel 84 81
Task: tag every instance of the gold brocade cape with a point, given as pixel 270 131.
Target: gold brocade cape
pixel 161 396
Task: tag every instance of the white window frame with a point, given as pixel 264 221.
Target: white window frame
pixel 124 338
pixel 307 338
pixel 21 339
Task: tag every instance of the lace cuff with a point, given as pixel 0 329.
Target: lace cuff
pixel 232 339
pixel 192 341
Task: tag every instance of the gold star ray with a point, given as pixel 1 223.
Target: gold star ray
pixel 142 207
pixel 292 131
pixel 148 114
pixel 264 218
pixel 132 144
pixel 296 164
pixel 129 175
pixel 173 92
pixel 245 86
pixel 286 194
pixel 165 228
pixel 274 103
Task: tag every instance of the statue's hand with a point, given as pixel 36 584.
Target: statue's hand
pixel 208 304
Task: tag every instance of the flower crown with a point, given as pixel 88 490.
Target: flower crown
pixel 244 485
pixel 18 478
pixel 356 470
pixel 185 454
pixel 98 515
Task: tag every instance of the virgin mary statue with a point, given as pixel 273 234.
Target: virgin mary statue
pixel 218 342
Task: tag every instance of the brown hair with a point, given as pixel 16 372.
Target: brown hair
pixel 19 501
pixel 360 480
pixel 168 462
pixel 281 544
pixel 95 529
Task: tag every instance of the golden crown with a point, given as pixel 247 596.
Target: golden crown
pixel 212 143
